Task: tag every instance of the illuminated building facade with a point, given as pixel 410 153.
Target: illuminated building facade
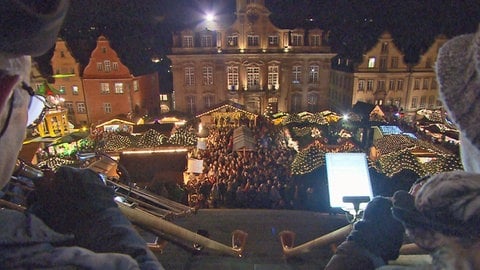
pixel 383 78
pixel 250 62
pixel 68 81
pixel 110 88
pixel 105 89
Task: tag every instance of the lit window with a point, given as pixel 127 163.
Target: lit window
pixel 189 76
pixel 118 88
pixel 273 76
pixel 108 66
pixel 232 77
pixel 296 74
pixel 314 74
pixel 163 97
pixel 253 76
pixel 371 62
pixel 75 90
pixel 104 88
pixel 207 75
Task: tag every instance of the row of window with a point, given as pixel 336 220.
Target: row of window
pixel 104 88
pixel 118 87
pixel 295 102
pixel 253 76
pixel 369 85
pixel 396 85
pixel 394 60
pixel 383 62
pixel 207 40
pixel 82 109
pixel 421 102
pixel 424 84
pixel 107 66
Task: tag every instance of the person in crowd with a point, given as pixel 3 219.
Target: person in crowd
pixel 374 240
pixel 86 230
pixel 442 218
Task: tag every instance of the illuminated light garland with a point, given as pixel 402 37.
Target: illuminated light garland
pixel 397 155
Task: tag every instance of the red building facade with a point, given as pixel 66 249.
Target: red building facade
pixel 111 90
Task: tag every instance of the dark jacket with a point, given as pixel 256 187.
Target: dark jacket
pixel 27 243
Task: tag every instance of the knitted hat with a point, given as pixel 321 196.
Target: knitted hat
pixel 30 27
pixel 448 202
pixel 458 74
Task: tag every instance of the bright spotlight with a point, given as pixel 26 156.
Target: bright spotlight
pixel 210 17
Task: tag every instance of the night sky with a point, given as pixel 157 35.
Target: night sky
pixel 140 30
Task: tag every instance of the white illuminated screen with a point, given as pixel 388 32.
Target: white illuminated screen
pixel 347 175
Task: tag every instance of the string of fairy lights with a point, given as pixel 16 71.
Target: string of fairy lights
pixel 397 155
pixel 395 152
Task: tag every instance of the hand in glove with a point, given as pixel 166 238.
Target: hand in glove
pixel 72 196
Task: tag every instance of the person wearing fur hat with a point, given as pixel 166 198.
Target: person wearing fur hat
pixel 76 224
pixel 443 219
pixel 374 240
pixel 458 76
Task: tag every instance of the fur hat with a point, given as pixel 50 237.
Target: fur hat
pixel 448 202
pixel 458 74
pixel 30 27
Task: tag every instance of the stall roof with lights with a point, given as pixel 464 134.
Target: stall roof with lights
pixel 227 106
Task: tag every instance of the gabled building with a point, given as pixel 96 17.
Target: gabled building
pixel 384 78
pixel 68 81
pixel 251 62
pixel 110 88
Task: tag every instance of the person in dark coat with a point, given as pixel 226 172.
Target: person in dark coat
pixel 75 223
pixel 374 240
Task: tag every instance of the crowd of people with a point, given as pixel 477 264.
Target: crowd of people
pixel 253 178
pixel 74 222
